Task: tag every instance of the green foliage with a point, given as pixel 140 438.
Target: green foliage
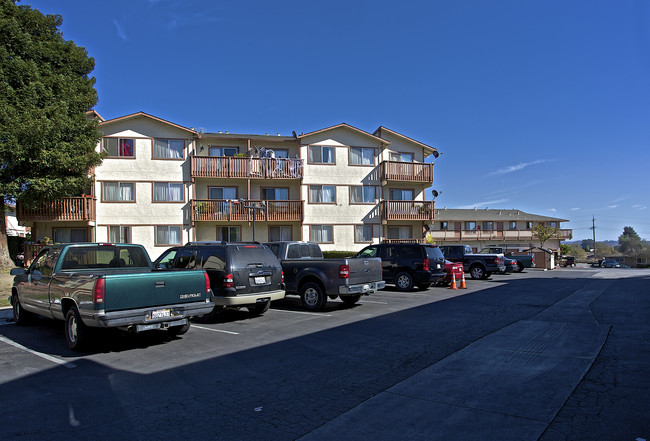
pixel 338 254
pixel 604 249
pixel 544 232
pixel 565 249
pixel 587 244
pixel 630 242
pixel 47 144
pixel 577 251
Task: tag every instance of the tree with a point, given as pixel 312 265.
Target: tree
pixel 544 232
pixel 587 244
pixel 630 243
pixel 47 144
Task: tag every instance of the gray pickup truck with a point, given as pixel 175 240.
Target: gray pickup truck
pixel 91 285
pixel 308 274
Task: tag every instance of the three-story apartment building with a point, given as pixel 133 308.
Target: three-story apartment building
pixel 162 184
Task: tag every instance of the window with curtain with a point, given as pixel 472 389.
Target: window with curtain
pixel 322 234
pixel 275 194
pixel 229 234
pixel 488 225
pixel 444 225
pixel 279 233
pixel 397 194
pixel 399 232
pixel 512 225
pixel 401 157
pixel 469 226
pixel 362 156
pixel 363 233
pixel 222 151
pixel 319 154
pixel 222 192
pixel 119 191
pixel 168 148
pixel 362 194
pixel 119 234
pixel 168 235
pixel 167 192
pixel 119 147
pixel 322 194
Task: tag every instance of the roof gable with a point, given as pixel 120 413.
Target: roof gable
pixel 146 115
pixel 349 127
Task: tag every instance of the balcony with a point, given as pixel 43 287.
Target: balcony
pixel 510 235
pixel 407 210
pixel 247 168
pixel 227 210
pixel 80 208
pixel 406 172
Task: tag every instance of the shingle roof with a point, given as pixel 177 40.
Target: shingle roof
pixel 484 214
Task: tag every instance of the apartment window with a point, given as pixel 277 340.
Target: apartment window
pixel 167 192
pixel 444 225
pixel 229 234
pixel 118 191
pixel 401 157
pixel 399 233
pixel 281 153
pixel 168 148
pixel 363 233
pixel 362 194
pixel 362 156
pixel 322 194
pixel 168 235
pixel 470 226
pixel 529 225
pixel 119 234
pixel 73 235
pixel 279 233
pixel 222 192
pixel 322 234
pixel 222 151
pixel 119 147
pixel 275 194
pixel 553 224
pixel 512 225
pixel 319 154
pixel 397 194
pixel 489 225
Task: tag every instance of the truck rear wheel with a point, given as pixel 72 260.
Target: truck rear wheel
pixel 179 330
pixel 477 272
pixel 404 281
pixel 313 297
pixel 210 316
pixel 519 268
pixel 76 333
pixel 350 300
pixel 259 308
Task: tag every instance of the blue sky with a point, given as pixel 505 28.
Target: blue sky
pixel 540 106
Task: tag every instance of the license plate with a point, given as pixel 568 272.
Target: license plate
pixel 260 280
pixel 160 313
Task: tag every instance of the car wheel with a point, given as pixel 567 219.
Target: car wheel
pixel 212 315
pixel 404 281
pixel 518 267
pixel 259 308
pixel 76 333
pixel 424 286
pixel 350 300
pixel 477 272
pixel 312 296
pixel 21 317
pixel 179 330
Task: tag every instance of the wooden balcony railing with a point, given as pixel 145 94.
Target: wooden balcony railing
pixel 406 171
pixel 80 208
pixel 227 210
pixel 253 168
pixel 407 210
pixel 523 235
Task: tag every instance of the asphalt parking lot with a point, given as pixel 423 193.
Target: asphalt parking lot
pixel 539 355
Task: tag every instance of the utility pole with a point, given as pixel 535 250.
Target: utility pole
pixel 593 227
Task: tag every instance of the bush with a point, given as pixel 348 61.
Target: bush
pixel 338 254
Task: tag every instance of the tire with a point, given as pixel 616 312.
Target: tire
pixel 423 286
pixel 518 267
pixel 477 272
pixel 21 317
pixel 210 316
pixel 259 308
pixel 350 300
pixel 404 281
pixel 76 333
pixel 313 297
pixel 487 275
pixel 179 330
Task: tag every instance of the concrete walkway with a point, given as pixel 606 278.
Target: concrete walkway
pixel 508 385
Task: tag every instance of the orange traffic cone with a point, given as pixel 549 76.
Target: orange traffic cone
pixel 463 285
pixel 453 282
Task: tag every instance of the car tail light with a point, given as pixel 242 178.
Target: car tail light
pixel 228 281
pixel 99 290
pixel 208 288
pixel 426 265
pixel 282 272
pixel 344 271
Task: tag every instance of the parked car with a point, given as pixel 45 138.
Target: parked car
pixel 453 269
pixel 314 278
pixel 479 266
pixel 408 264
pixel 92 285
pixel 610 263
pixel 566 261
pixel 521 260
pixel 241 274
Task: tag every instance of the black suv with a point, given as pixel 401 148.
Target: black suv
pixel 408 264
pixel 241 274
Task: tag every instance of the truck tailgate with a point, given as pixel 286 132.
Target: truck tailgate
pixel 158 288
pixel 364 270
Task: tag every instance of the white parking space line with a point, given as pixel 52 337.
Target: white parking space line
pixel 39 354
pixel 214 330
pixel 301 312
pixel 371 301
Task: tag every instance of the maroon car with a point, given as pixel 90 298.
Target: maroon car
pixel 455 268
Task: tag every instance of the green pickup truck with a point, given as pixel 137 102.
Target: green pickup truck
pixel 92 285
